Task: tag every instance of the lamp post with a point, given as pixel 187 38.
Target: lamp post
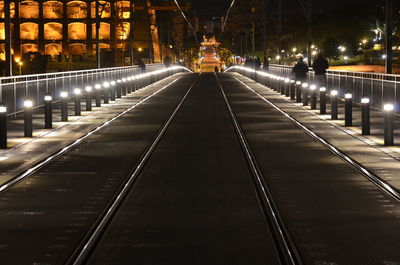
pixel 28 104
pixel 48 115
pixel 64 105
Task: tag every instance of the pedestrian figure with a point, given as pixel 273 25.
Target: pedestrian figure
pixel 320 66
pixel 167 61
pixel 216 69
pixel 266 64
pixel 141 64
pixel 300 70
pixel 257 64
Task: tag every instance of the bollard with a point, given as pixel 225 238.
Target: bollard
pixel 77 101
pixel 322 100
pixel 287 87
pixel 64 105
pixel 119 85
pixel 106 90
pixel 128 85
pixel 348 109
pixel 292 89
pixel 389 124
pixel 113 85
pixel 313 95
pixel 304 88
pixel 98 95
pixel 282 85
pixel 88 90
pixel 3 127
pixel 365 117
pixel 334 104
pixel 123 91
pixel 28 104
pixel 298 91
pixel 48 111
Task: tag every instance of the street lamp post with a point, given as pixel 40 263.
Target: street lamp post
pixel 389 35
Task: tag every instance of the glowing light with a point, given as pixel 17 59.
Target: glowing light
pixel 28 103
pixel 322 89
pixel 77 91
pixel 97 86
pixel 64 94
pixel 313 87
pixel 106 84
pixel 388 107
pixel 3 109
pixel 304 85
pixel 88 89
pixel 113 83
pixel 140 49
pixel 334 93
pixel 365 100
pixel 298 83
pixel 348 95
pixel 48 98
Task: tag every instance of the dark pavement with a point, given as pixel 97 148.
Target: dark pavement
pixel 195 202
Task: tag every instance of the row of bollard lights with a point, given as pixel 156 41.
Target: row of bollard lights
pixel 303 93
pixel 108 91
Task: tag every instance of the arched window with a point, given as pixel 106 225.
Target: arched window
pixel 77 31
pixel 53 49
pixel 122 31
pixel 76 10
pixel 12 9
pixel 28 9
pixel 52 9
pixel 77 49
pixel 104 9
pixel 53 31
pixel 122 9
pixel 104 31
pixel 29 47
pixel 29 31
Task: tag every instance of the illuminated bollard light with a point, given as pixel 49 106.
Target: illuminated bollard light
pixel 313 96
pixel 304 89
pixel 119 88
pixel 128 85
pixel 282 85
pixel 389 124
pixel 48 111
pixel 106 86
pixel 3 127
pixel 64 105
pixel 89 91
pixel 98 95
pixel 322 100
pixel 77 101
pixel 298 91
pixel 28 104
pixel 113 85
pixel 123 91
pixel 348 109
pixel 287 87
pixel 334 104
pixel 292 89
pixel 365 117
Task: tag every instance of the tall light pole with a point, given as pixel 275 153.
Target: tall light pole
pixel 307 8
pixel 389 36
pixel 97 35
pixel 7 26
pixel 131 30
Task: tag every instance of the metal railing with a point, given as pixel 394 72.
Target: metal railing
pixel 14 90
pixel 380 88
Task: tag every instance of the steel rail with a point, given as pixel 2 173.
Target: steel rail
pixel 23 175
pixel 286 248
pixel 88 244
pixel 368 174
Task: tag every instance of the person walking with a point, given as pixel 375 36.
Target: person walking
pixel 300 70
pixel 320 66
pixel 141 64
pixel 257 64
pixel 266 64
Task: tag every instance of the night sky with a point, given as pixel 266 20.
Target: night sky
pixel 209 8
